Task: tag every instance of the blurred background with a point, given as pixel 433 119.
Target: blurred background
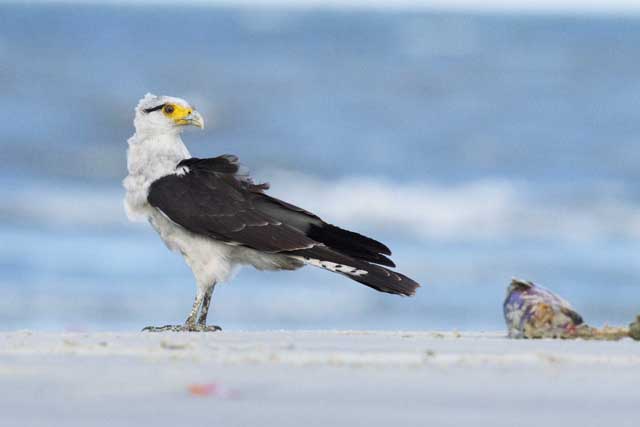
pixel 480 144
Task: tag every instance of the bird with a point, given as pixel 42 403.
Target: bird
pixel 212 212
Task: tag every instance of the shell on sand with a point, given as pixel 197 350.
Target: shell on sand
pixel 532 311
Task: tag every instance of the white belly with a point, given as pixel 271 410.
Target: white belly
pixel 213 261
pixel 210 261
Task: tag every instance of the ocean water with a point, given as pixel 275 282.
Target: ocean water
pixel 478 146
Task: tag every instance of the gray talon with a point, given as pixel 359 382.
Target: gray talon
pixel 182 328
pixel 200 305
pixel 210 328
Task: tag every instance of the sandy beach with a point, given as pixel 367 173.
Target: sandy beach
pixel 314 378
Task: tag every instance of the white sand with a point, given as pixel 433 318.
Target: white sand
pixel 315 379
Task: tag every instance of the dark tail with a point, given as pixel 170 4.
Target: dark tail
pixel 351 244
pixel 371 275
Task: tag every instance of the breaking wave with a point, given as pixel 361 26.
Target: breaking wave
pixel 478 210
pixel 487 209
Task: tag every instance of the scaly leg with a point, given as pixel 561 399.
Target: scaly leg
pixel 190 324
pixel 204 310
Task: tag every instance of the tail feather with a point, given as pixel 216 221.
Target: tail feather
pixel 371 275
pixel 350 243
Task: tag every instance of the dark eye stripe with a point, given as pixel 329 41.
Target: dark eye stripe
pixel 156 108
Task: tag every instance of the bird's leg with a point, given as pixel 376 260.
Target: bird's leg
pixel 190 324
pixel 204 310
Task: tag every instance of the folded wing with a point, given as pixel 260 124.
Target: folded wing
pixel 216 198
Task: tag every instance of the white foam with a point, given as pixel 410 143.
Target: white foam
pixel 486 209
pixel 476 210
pixel 58 204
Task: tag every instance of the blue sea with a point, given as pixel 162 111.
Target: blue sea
pixel 477 146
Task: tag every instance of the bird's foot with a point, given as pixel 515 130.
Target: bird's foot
pixel 183 328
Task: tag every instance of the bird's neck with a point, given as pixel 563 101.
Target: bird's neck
pixel 155 155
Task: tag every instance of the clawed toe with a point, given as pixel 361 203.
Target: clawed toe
pixel 193 323
pixel 182 328
pixel 166 328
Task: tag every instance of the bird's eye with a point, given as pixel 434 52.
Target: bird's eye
pixel 168 109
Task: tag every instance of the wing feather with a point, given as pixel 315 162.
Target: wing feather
pixel 214 198
pixel 207 202
pixel 217 199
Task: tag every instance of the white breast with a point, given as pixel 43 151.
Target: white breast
pixel 147 160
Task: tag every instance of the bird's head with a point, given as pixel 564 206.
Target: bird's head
pixel 165 115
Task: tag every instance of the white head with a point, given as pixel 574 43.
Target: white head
pixel 161 115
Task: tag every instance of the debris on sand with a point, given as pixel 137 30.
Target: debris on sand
pixel 634 329
pixel 211 390
pixel 532 311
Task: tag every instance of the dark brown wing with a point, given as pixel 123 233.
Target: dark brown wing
pixel 212 201
pixel 214 198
